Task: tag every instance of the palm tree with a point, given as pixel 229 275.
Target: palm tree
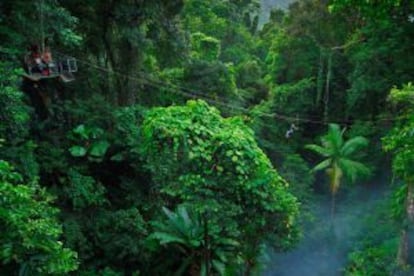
pixel 205 252
pixel 339 155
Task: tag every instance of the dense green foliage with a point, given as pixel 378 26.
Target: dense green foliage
pixel 30 229
pixel 180 146
pixel 216 169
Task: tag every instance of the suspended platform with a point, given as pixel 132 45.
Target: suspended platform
pixel 62 68
pixel 65 76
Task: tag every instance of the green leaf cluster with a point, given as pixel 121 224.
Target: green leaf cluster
pixel 214 166
pixel 30 229
pixel 94 146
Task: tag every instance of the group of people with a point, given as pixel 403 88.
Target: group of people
pixel 39 61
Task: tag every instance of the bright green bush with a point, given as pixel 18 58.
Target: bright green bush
pixel 29 242
pixel 215 167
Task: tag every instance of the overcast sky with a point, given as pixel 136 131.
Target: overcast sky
pixel 268 5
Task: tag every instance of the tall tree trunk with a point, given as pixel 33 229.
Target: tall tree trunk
pixel 319 82
pixel 410 202
pixel 335 176
pixel 402 255
pixel 132 83
pixel 327 86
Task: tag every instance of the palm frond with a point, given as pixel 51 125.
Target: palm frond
pixel 166 238
pixel 353 169
pixel 183 214
pixel 353 145
pixel 179 224
pixel 175 221
pixel 334 138
pixel 322 165
pixel 325 152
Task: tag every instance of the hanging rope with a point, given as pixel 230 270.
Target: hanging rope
pixel 42 31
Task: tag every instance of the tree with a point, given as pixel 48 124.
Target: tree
pixel 30 230
pixel 204 249
pixel 122 36
pixel 214 166
pixel 31 22
pixel 382 55
pixel 15 117
pixel 339 156
pixel 400 142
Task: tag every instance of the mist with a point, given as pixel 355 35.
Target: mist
pixel 324 246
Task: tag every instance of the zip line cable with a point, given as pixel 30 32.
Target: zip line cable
pixel 198 95
pixel 232 107
pixel 195 94
pixel 160 84
pixel 188 95
pixel 192 94
pixel 146 79
pixel 259 123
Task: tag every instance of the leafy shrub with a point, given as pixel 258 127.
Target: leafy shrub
pixel 30 229
pixel 214 166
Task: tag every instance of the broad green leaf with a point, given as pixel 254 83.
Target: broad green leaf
pixel 322 165
pixel 118 157
pixel 77 151
pixel 99 148
pixel 81 131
